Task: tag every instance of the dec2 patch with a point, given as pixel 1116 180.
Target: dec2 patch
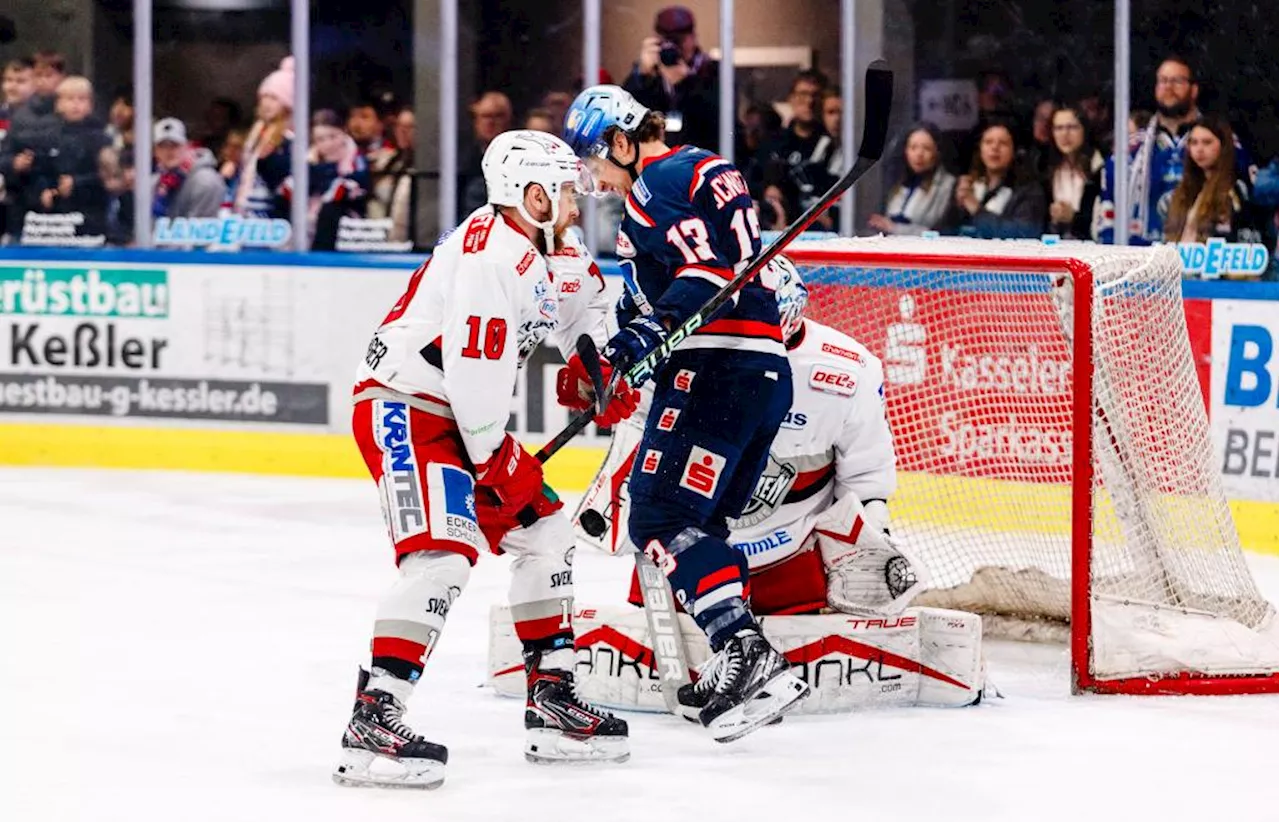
pixel 833 380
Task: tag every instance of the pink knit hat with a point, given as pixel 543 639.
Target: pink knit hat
pixel 279 83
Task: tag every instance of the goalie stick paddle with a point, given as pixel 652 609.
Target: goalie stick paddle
pixel 878 101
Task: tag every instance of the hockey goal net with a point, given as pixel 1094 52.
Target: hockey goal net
pixel 1054 458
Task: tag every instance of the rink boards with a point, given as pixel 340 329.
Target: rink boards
pixel 151 360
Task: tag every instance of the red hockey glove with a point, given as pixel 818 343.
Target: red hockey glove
pixel 574 390
pixel 514 476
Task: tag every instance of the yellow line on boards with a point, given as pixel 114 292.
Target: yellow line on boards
pixel 920 497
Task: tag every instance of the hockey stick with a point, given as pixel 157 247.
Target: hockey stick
pixel 670 662
pixel 878 97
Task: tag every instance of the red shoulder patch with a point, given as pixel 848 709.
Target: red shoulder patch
pixel 477 234
pixel 526 261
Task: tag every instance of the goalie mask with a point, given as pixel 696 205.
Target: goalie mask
pixel 789 289
pixel 517 159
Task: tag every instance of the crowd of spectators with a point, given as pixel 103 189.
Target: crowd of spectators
pixel 1046 168
pixel 58 157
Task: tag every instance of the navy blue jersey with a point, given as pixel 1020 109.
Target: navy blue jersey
pixel 689 223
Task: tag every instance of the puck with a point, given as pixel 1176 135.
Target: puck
pixel 593 522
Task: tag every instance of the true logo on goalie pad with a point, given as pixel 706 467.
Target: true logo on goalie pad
pixel 702 472
pixel 833 381
pixel 684 380
pixel 649 464
pixel 667 421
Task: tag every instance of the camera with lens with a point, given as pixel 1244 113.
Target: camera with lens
pixel 668 53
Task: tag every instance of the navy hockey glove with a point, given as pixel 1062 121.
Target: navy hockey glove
pixel 633 341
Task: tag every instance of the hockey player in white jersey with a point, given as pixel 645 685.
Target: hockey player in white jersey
pixel 432 398
pixel 816 532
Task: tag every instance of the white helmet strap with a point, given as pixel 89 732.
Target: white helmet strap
pixel 548 226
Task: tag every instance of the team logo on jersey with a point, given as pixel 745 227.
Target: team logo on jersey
pixel 702 472
pixel 833 380
pixel 771 489
pixel 526 261
pixel 667 421
pixel 828 348
pixel 451 493
pixel 400 485
pixel 649 465
pixel 684 380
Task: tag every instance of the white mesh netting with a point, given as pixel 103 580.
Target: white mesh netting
pixel 980 379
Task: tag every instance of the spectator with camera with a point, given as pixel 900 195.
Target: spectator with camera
pixel 673 75
pixel 780 173
pixel 186 181
pixel 29 149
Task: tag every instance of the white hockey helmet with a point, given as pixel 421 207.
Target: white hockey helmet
pixel 517 159
pixel 792 294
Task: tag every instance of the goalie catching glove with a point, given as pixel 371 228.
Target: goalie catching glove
pixel 574 390
pixel 868 571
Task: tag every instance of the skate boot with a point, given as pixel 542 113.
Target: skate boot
pixel 754 687
pixel 694 696
pixel 560 727
pixel 380 750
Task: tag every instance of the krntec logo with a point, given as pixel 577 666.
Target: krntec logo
pixel 84 292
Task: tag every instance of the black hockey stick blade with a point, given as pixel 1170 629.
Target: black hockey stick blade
pixel 877 106
pixel 590 356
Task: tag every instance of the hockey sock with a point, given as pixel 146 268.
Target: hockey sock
pixel 710 580
pixel 541 597
pixel 411 616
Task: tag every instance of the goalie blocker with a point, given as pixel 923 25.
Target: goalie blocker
pixel 922 656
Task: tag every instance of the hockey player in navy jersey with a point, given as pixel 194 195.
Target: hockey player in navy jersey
pixel 689 222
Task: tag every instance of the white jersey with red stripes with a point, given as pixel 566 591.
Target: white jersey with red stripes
pixel 470 316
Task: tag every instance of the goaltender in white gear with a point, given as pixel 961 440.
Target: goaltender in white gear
pixel 818 539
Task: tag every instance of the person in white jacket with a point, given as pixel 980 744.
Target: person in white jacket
pixel 432 398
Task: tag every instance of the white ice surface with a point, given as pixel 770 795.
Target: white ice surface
pixel 183 647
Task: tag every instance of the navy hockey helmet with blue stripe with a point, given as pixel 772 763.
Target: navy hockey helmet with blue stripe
pixel 593 112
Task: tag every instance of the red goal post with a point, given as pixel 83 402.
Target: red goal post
pixel 1041 494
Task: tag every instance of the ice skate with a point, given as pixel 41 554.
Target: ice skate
pixel 380 750
pixel 753 687
pixel 562 728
